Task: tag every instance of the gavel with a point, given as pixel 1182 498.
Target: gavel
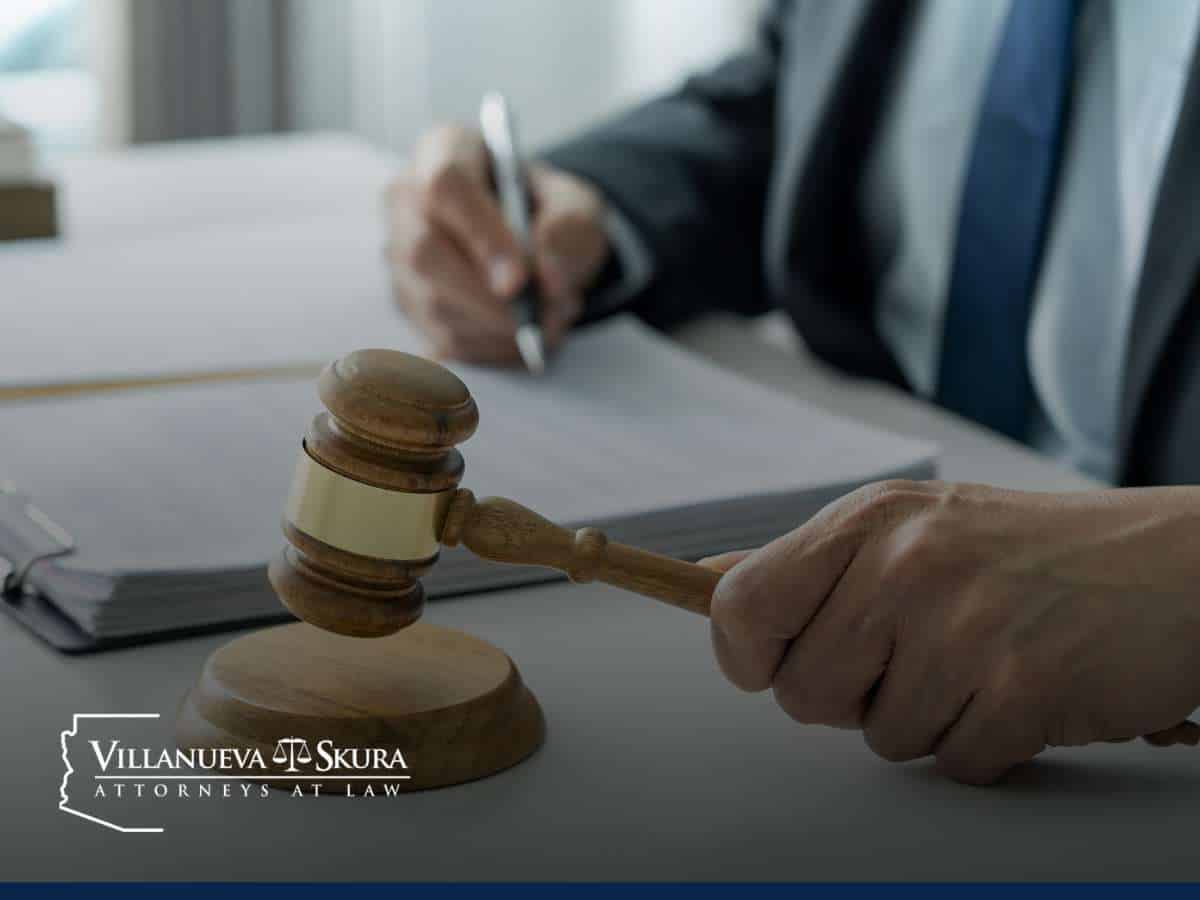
pixel 374 498
pixel 375 495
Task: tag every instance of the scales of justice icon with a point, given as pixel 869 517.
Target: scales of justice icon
pixel 291 750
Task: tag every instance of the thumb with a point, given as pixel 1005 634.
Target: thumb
pixel 748 660
pixel 723 562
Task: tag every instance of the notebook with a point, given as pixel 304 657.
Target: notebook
pixel 153 512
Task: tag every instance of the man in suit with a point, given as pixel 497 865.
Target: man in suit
pixel 987 203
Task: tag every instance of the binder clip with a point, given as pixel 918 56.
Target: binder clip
pixel 27 536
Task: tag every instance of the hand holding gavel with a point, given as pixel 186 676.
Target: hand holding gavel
pixel 959 621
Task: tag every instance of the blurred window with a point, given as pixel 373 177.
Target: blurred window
pixel 45 81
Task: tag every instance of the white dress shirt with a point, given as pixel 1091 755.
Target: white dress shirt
pixel 1132 60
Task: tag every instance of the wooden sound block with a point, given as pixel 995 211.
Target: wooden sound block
pixel 453 705
pixel 27 210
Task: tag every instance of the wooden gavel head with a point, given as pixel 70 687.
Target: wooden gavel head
pixel 376 494
pixel 376 473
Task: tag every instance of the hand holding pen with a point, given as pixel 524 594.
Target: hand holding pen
pixel 457 265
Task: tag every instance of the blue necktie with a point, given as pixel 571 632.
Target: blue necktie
pixel 984 370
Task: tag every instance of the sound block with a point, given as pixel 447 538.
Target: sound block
pixel 27 210
pixel 423 708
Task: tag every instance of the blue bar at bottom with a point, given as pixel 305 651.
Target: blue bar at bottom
pixel 228 890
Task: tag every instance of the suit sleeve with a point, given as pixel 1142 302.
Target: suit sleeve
pixel 689 172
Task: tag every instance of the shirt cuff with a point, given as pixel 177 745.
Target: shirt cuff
pixel 636 268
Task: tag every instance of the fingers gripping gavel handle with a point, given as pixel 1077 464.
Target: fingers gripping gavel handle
pixel 504 531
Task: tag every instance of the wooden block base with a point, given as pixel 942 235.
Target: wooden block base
pixel 453 705
pixel 27 210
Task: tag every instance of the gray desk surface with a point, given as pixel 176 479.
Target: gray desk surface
pixel 654 768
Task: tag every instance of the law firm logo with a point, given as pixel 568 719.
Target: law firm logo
pixel 116 767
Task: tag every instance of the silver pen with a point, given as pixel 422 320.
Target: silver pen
pixel 508 171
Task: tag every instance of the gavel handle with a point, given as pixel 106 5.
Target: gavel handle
pixel 505 531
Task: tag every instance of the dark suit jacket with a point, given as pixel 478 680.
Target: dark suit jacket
pixel 741 185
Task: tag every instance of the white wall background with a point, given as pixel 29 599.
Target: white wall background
pixel 388 68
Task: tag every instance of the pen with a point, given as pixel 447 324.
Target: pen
pixel 508 171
